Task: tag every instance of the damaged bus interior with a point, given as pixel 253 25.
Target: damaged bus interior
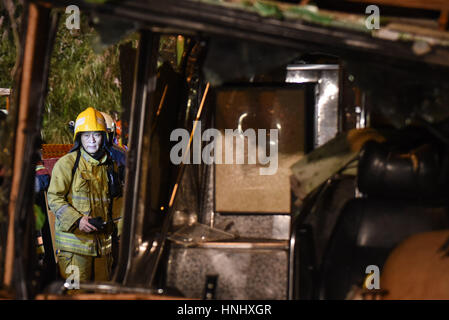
pixel 345 162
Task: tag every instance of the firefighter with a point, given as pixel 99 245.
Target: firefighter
pixel 120 138
pixel 82 189
pixel 110 126
pixel 119 156
pixel 117 152
pixel 42 180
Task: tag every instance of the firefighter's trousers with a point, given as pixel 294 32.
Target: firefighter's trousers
pixel 90 268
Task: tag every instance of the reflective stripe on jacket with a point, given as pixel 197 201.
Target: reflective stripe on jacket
pixel 87 195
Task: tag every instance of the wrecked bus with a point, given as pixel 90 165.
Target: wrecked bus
pixel 286 155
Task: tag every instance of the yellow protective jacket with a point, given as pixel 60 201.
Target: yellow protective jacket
pixel 88 195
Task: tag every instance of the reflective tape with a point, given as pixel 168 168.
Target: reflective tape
pixel 81 198
pixel 79 122
pixel 61 210
pixel 75 243
pixel 83 244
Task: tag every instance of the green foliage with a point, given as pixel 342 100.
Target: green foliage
pixel 79 78
pixel 170 50
pixel 7 58
pixel 7 53
pixel 266 9
pixel 40 217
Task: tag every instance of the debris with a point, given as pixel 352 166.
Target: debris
pixel 325 161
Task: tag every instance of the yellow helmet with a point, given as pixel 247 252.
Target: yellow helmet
pixel 89 120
